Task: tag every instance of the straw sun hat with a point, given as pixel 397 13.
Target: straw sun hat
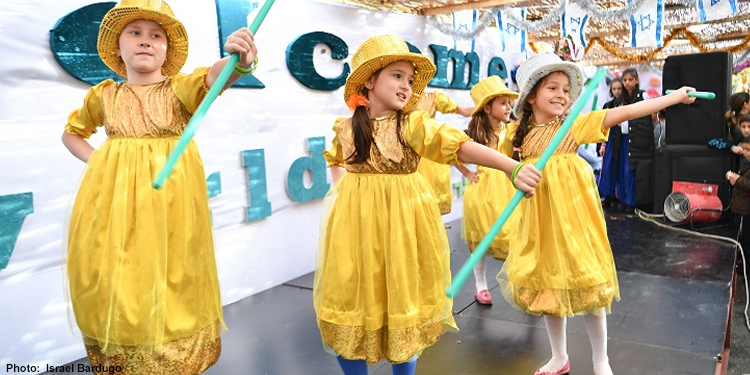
pixel 538 67
pixel 380 51
pixel 127 11
pixel 488 89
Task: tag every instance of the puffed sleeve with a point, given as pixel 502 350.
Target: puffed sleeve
pixel 334 155
pixel 588 128
pixel 190 88
pixel 507 146
pixel 444 104
pixel 84 121
pixel 433 140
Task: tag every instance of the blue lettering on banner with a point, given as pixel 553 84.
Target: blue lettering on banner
pixel 317 167
pixel 73 42
pixel 13 210
pixel 299 60
pixel 255 162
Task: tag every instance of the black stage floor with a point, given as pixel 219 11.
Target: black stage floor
pixel 672 318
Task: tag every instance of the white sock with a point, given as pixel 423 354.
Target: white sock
pixel 596 327
pixel 480 274
pixel 557 339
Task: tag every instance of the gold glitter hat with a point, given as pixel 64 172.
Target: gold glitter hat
pixel 538 67
pixel 127 11
pixel 380 51
pixel 488 89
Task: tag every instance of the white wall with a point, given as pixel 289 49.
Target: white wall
pixel 36 96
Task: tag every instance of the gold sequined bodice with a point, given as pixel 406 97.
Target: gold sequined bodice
pixel 387 154
pixel 147 111
pixel 539 137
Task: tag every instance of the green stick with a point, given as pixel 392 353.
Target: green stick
pixel 697 94
pixel 200 112
pixel 481 249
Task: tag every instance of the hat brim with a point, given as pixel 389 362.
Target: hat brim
pixel 513 96
pixel 115 21
pixel 573 72
pixel 424 71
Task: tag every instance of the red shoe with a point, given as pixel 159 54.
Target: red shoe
pixel 483 297
pixel 563 371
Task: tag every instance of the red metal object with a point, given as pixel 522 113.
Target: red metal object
pixel 693 202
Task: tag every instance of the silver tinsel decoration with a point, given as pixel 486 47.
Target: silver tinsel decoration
pixel 534 26
pixel 610 15
pixel 483 21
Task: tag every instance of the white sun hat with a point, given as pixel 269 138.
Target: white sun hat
pixel 538 67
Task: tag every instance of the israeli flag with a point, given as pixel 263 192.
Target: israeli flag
pixel 647 24
pixel 512 37
pixel 709 10
pixel 464 21
pixel 573 23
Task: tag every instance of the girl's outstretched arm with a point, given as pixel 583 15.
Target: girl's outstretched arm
pixel 617 115
pixel 77 146
pixel 241 42
pixel 474 153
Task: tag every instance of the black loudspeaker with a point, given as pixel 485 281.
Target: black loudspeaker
pixel 703 120
pixel 691 164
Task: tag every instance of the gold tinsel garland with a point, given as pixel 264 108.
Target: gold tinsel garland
pixel 648 56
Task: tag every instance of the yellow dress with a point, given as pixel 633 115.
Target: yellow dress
pixel 438 175
pixel 384 262
pixel 560 261
pixel 484 201
pixel 141 266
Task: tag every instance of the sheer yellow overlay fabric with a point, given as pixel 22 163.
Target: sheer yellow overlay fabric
pixel 484 201
pixel 437 175
pixel 560 261
pixel 141 264
pixel 384 264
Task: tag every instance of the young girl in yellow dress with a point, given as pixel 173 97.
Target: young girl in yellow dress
pixel 141 265
pixel 383 266
pixel 439 175
pixel 560 263
pixel 487 195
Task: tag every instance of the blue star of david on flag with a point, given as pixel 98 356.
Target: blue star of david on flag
pixel 512 37
pixel 512 29
pixel 645 26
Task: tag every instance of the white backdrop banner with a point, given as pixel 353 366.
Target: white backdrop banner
pixel 256 142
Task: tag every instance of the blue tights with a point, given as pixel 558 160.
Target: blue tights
pixel 359 367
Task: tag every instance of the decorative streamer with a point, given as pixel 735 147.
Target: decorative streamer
pixel 709 10
pixel 512 37
pixel 647 25
pixel 536 26
pixel 483 21
pixel 481 249
pixel 609 15
pixel 649 56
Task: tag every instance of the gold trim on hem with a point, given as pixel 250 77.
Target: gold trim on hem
pixel 560 302
pixel 394 345
pixel 190 355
